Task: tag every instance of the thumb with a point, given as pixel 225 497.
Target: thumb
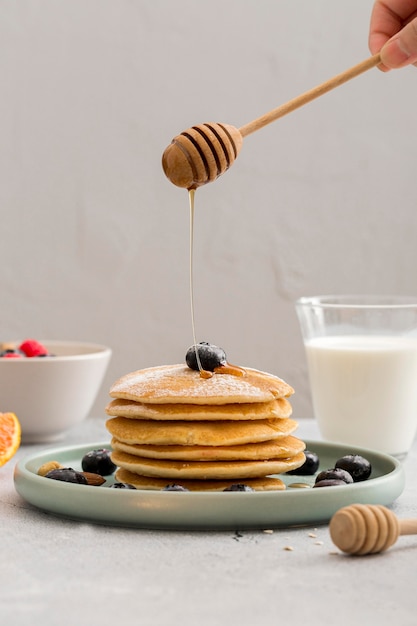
pixel 401 50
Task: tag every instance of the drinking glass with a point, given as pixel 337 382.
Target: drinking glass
pixel 362 362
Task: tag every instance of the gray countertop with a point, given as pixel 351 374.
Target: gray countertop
pixel 57 571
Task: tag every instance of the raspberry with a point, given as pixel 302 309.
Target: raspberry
pixel 31 347
pixel 11 355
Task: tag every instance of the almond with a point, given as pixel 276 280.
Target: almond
pixel 93 479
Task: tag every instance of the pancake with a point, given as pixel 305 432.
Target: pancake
pixel 185 433
pixel 281 448
pixel 267 483
pixel 166 384
pixel 175 471
pixel 249 411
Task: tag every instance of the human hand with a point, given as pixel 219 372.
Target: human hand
pixel 393 33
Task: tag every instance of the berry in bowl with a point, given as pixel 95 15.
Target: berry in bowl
pixel 50 385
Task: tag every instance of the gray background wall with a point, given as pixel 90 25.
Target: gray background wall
pixel 94 239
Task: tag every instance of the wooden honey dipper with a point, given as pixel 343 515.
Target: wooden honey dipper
pixel 202 153
pixel 368 528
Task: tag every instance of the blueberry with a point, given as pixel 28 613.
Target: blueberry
pixel 174 487
pixel 238 487
pixel 310 465
pixel 330 482
pixel 357 466
pixel 334 474
pixel 67 475
pixel 98 462
pixel 122 486
pixel 210 356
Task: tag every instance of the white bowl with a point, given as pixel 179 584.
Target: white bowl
pixel 50 395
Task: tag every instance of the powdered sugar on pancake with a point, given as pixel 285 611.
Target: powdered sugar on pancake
pixel 180 384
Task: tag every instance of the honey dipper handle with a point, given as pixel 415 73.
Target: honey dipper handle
pixel 310 95
pixel 408 526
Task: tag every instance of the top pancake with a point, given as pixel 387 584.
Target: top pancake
pixel 167 384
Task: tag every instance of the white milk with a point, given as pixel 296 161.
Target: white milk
pixel 365 390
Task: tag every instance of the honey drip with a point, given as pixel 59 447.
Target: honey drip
pixel 234 370
pixel 203 373
pixel 228 368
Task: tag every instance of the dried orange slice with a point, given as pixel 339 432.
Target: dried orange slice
pixel 10 433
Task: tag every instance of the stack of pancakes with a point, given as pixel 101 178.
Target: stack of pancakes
pixel 170 425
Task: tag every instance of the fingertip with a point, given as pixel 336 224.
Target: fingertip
pixel 395 55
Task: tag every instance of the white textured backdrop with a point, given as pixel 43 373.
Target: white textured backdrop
pixel 94 239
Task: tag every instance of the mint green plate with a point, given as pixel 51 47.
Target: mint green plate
pixel 210 510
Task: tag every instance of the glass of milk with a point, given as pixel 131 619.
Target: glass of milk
pixel 362 362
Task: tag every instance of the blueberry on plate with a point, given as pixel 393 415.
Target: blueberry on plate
pixel 335 473
pixel 174 487
pixel 309 467
pixel 238 487
pixel 67 475
pixel 210 356
pixel 122 486
pixel 98 462
pixel 357 466
pixel 330 482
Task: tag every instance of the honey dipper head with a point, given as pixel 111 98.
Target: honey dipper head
pixel 201 154
pixel 364 529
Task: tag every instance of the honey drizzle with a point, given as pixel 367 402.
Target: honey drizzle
pixel 203 373
pixel 228 368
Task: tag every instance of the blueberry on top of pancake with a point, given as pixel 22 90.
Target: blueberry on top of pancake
pixel 209 355
pixel 207 359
